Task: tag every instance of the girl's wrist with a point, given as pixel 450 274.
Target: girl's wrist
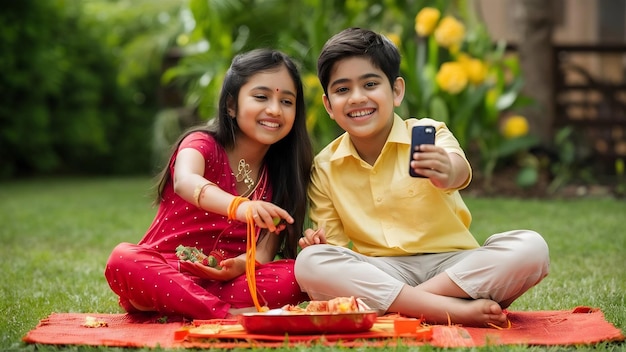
pixel 234 206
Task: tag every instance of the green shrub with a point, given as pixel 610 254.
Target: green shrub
pixel 61 107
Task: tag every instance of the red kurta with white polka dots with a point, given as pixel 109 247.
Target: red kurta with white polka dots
pixel 147 273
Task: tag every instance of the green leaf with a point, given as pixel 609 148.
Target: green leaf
pixel 512 62
pixel 522 101
pixel 563 134
pixel 506 100
pixel 511 146
pixel 499 50
pixel 439 110
pixel 465 114
pixel 428 83
pixel 527 177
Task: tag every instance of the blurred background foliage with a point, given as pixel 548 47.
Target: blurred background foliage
pixel 105 86
pixel 65 106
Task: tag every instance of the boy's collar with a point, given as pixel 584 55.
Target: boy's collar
pixel 398 134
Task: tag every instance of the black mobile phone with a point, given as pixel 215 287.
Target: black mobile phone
pixel 420 135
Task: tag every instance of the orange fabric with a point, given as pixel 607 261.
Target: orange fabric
pixel 583 325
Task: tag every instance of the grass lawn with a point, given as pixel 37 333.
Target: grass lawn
pixel 56 235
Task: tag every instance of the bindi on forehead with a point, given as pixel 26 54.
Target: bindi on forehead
pixel 279 91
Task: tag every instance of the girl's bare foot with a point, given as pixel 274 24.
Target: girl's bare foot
pixel 233 312
pixel 140 307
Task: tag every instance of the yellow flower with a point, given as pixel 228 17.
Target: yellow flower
pixel 476 69
pixel 452 77
pixel 310 81
pixel 394 38
pixel 450 32
pixel 515 126
pixel 426 20
pixel 455 49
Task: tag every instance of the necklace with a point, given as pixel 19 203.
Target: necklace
pixel 243 174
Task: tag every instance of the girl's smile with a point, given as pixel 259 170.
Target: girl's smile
pixel 266 107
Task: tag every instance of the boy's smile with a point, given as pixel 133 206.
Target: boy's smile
pixel 362 100
pixel 361 113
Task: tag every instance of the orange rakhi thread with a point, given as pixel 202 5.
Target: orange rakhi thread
pixel 251 261
pixel 250 248
pixel 234 204
pixel 500 327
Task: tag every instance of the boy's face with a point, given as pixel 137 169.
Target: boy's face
pixel 360 98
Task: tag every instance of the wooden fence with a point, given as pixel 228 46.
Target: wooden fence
pixel 593 104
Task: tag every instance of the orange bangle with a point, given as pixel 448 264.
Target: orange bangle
pixel 234 204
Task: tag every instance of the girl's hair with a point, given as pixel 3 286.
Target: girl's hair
pixel 288 161
pixel 360 42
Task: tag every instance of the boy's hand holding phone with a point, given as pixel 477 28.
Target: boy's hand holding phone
pixel 444 170
pixel 420 135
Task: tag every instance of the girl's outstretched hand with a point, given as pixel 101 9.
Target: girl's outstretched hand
pixel 312 237
pixel 230 269
pixel 266 215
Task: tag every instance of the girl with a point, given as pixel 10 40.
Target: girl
pixel 253 160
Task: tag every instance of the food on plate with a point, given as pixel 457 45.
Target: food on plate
pixel 343 305
pixel 335 305
pixel 316 307
pixel 194 254
pixel 93 322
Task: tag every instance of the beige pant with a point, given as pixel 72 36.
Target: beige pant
pixel 505 267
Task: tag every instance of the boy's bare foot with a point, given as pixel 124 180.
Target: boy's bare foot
pixel 479 312
pixel 438 309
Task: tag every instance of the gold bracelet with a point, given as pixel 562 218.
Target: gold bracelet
pixel 197 193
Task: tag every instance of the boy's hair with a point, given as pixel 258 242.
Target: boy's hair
pixel 288 160
pixel 358 42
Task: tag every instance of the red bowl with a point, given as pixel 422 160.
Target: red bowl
pixel 307 324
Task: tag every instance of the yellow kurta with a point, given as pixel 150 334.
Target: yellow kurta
pixel 381 209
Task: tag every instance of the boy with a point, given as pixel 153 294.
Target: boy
pixel 401 243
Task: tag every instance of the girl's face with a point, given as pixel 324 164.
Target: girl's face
pixel 267 106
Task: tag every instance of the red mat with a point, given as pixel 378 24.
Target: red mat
pixel 582 325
